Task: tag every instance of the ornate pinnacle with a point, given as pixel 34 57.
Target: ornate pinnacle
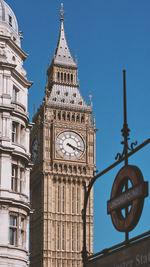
pixel 90 97
pixel 61 12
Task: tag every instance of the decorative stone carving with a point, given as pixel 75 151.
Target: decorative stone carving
pixel 3 57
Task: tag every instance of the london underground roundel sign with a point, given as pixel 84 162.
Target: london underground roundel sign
pixel 129 199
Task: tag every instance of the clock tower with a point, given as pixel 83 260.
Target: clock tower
pixel 63 153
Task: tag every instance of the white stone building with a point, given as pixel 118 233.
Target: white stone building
pixel 14 144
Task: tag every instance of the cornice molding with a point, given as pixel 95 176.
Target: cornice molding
pixel 12 67
pixel 14 46
pixel 15 203
pixel 22 79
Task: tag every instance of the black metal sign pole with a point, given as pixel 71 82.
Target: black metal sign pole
pixel 121 157
pixel 84 251
pixel 87 193
pixel 125 130
pixel 125 134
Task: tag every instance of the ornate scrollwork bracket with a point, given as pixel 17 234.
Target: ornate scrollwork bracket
pixel 119 156
pixel 125 130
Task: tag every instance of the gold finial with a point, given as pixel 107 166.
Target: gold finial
pixel 33 110
pixel 46 72
pixel 94 119
pixel 76 57
pixel 62 12
pixel 90 97
pixel 76 60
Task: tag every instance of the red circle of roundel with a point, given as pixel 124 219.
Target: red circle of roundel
pixel 121 223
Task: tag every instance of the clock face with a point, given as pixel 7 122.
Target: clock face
pixel 70 145
pixel 34 151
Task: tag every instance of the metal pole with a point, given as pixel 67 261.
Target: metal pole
pixel 125 130
pixel 84 251
pixel 125 133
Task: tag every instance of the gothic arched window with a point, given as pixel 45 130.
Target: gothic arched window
pixel 75 169
pixel 60 167
pixel 58 76
pixel 58 236
pixel 70 169
pixel 64 77
pixel 73 117
pixel 77 199
pixel 63 198
pixel 83 118
pixel 61 77
pixel 68 116
pixel 58 198
pixel 55 167
pixel 65 168
pixel 63 237
pixel 54 113
pixel 73 237
pixel 84 170
pixel 64 116
pixel 73 199
pixel 59 115
pixel 78 118
pixel 79 168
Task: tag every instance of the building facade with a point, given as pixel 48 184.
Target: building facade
pixel 63 152
pixel 14 144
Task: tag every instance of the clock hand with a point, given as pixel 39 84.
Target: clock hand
pixel 74 147
pixel 71 146
pixel 79 149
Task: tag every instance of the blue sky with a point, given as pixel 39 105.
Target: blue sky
pixel 108 36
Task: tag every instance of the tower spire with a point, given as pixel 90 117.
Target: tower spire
pixel 62 53
pixel 62 89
